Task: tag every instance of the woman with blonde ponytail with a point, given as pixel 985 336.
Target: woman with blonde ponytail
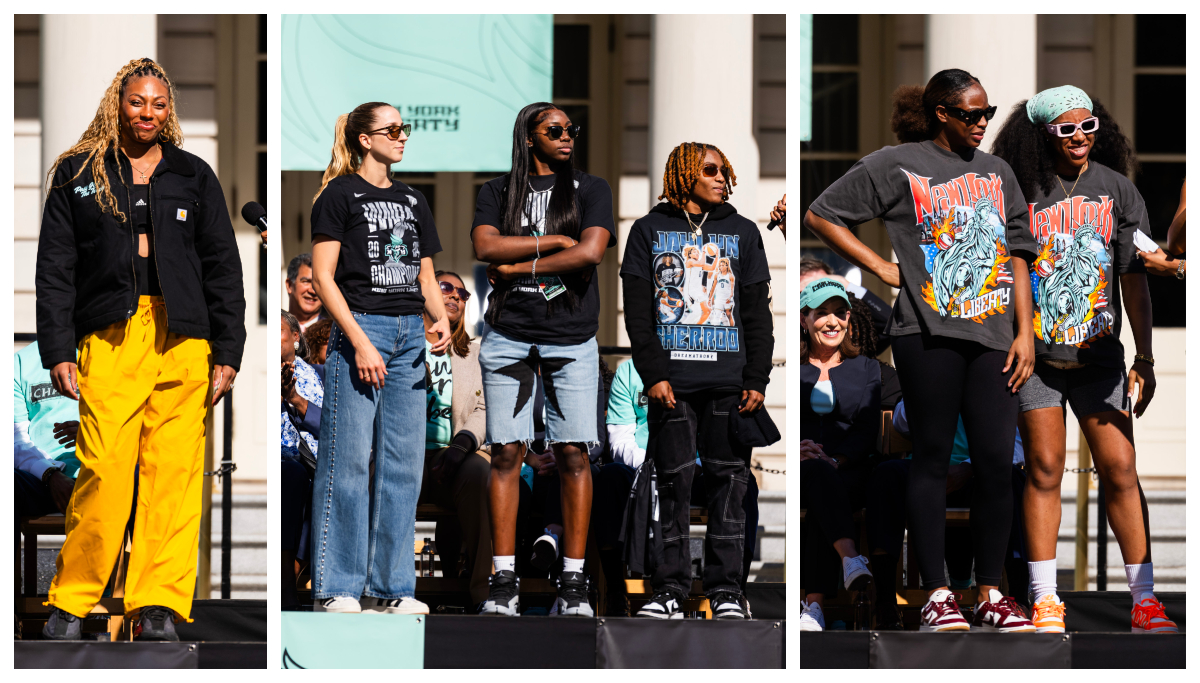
pixel 139 303
pixel 373 239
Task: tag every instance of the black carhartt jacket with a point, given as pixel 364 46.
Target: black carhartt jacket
pixel 85 269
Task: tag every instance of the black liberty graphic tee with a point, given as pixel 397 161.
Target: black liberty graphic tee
pixel 525 315
pixel 384 234
pixel 954 224
pixel 697 284
pixel 1085 242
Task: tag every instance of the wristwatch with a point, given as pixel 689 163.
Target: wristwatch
pixel 48 473
pixel 1180 269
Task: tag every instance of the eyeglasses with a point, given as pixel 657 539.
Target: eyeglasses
pixel 1066 130
pixel 555 132
pixel 710 170
pixel 447 288
pixel 393 132
pixel 970 117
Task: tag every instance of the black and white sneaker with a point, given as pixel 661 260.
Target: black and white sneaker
pixel 62 626
pixel 155 623
pixel 573 596
pixel 726 605
pixel 504 594
pixel 341 604
pixel 395 606
pixel 665 604
pixel 545 552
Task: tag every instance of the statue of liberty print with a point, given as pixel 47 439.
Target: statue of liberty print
pixel 1064 294
pixel 961 270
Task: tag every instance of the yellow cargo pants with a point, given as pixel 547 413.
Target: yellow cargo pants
pixel 144 395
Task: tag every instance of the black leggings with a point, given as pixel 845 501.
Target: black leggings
pixel 941 379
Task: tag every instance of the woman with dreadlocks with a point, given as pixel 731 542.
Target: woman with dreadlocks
pixel 1073 164
pixel 699 368
pixel 138 272
pixel 544 227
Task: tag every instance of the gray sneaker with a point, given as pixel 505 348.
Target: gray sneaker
pixel 62 626
pixel 573 596
pixel 155 623
pixel 504 594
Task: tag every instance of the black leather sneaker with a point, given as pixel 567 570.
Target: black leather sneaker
pixel 573 595
pixel 726 605
pixel 155 623
pixel 504 594
pixel 666 604
pixel 62 626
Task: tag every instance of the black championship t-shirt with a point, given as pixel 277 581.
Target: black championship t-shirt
pixel 526 315
pixel 1086 242
pixel 384 234
pixel 954 224
pixel 697 290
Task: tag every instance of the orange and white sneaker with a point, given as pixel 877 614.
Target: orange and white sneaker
pixel 1048 614
pixel 1149 617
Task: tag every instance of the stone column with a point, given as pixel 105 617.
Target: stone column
pixel 998 49
pixel 702 90
pixel 80 55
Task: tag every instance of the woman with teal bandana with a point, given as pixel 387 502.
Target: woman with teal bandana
pixel 1072 163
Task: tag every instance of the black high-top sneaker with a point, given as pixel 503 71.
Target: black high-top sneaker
pixel 504 594
pixel 573 595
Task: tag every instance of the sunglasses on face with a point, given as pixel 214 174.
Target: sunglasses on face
pixel 555 132
pixel 393 132
pixel 970 117
pixel 1066 130
pixel 710 170
pixel 448 289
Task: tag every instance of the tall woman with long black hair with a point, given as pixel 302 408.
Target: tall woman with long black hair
pixel 544 228
pixel 1072 161
pixel 373 239
pixel 138 273
pixel 961 329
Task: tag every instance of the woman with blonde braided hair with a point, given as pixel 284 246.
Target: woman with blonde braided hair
pixel 715 360
pixel 138 273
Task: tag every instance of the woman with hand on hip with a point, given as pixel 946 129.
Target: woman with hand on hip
pixel 1071 160
pixel 373 239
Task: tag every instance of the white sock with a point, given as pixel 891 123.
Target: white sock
pixel 570 565
pixel 1141 581
pixel 504 563
pixel 1043 578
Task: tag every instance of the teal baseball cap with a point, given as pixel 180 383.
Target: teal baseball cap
pixel 821 290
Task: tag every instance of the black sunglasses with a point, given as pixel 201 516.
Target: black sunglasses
pixel 555 132
pixel 393 132
pixel 970 117
pixel 447 288
pixel 710 170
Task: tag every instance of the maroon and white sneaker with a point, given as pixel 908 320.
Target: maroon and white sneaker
pixel 941 613
pixel 1002 614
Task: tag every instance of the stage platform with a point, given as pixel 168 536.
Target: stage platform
pixel 321 640
pixel 224 634
pixel 913 650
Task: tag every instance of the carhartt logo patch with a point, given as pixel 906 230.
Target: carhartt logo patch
pixel 181 214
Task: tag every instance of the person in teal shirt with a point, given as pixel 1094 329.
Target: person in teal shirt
pixel 627 430
pixel 45 424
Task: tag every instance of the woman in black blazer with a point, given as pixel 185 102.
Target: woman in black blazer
pixel 839 424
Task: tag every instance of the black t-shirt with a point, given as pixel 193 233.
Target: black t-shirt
pixel 954 223
pixel 1085 242
pixel 699 322
pixel 145 266
pixel 526 314
pixel 385 232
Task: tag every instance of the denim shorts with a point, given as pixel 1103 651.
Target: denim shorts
pixel 1090 389
pixel 569 376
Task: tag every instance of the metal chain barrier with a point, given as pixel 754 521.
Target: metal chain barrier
pixel 768 470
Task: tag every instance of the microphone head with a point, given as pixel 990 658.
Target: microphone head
pixel 252 212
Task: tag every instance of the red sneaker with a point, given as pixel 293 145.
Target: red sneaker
pixel 1149 617
pixel 1002 614
pixel 941 613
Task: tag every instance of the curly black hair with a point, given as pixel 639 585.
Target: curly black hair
pixel 1027 149
pixel 862 328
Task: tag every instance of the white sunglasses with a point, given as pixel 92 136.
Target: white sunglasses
pixel 1066 130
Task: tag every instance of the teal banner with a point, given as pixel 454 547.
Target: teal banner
pixel 805 79
pixel 458 79
pixel 320 640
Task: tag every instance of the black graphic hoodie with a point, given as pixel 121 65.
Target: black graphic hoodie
pixel 696 305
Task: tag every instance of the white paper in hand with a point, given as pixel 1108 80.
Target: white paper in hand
pixel 1143 243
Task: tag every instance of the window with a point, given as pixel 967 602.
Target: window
pixel 835 83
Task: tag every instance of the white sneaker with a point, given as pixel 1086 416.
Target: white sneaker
pixel 858 576
pixel 812 618
pixel 341 604
pixel 401 606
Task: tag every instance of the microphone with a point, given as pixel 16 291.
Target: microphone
pixel 254 214
pixel 770 226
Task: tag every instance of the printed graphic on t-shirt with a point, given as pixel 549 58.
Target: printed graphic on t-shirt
pixel 1071 272
pixel 695 283
pixel 393 246
pixel 535 216
pixel 963 236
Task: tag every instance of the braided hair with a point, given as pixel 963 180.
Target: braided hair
pixel 104 132
pixel 683 170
